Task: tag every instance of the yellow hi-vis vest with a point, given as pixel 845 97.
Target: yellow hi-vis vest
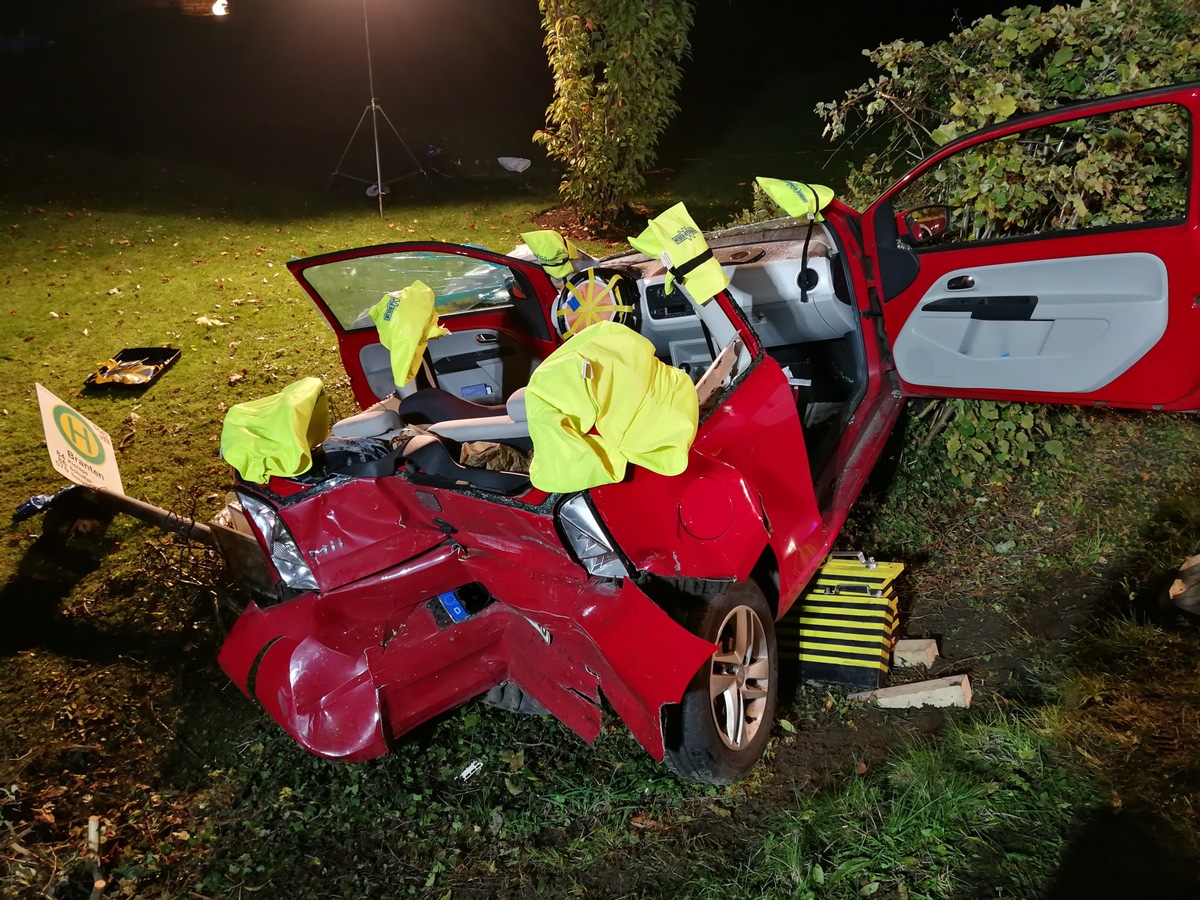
pixel 553 251
pixel 406 321
pixel 606 379
pixel 275 435
pixel 797 198
pixel 674 238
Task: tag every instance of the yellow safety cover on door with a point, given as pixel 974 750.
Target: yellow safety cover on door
pixel 407 321
pixel 798 198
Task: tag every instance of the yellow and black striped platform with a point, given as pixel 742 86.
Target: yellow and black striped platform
pixel 842 628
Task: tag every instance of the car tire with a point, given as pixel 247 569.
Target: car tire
pixel 719 731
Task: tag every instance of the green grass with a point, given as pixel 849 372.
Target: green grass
pixel 986 794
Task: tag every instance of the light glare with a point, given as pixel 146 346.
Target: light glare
pixel 220 8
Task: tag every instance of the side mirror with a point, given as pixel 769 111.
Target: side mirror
pixel 924 223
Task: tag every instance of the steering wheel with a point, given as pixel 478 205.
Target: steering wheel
pixel 595 295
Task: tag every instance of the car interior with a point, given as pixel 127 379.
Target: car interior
pixel 790 284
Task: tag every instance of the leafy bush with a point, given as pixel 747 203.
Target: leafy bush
pixel 616 67
pixel 1000 437
pixel 761 208
pixel 1027 61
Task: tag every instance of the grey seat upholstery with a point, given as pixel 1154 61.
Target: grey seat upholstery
pixel 510 423
pixel 371 423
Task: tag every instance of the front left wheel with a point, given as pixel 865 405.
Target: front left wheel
pixel 719 731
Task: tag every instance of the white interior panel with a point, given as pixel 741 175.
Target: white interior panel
pixel 1095 317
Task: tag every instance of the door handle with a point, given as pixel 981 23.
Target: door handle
pixel 987 309
pixel 960 283
pixel 486 339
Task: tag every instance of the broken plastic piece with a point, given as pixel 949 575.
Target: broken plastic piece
pixel 35 505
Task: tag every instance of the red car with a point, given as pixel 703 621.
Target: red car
pixel 407 583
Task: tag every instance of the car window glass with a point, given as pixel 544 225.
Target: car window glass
pixel 1103 170
pixel 460 283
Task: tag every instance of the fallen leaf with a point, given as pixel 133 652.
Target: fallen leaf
pixel 209 323
pixel 236 377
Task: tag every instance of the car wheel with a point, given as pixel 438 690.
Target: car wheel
pixel 720 729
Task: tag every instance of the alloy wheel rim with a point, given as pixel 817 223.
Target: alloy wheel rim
pixel 739 678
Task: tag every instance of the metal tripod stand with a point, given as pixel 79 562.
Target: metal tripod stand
pixel 378 187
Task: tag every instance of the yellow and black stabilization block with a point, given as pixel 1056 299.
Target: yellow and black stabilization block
pixel 842 628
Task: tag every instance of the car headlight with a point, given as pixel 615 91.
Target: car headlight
pixel 280 545
pixel 593 545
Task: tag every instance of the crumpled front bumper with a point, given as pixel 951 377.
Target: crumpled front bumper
pixel 345 691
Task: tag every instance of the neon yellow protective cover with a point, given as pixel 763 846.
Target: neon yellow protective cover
pixel 407 321
pixel 606 379
pixel 275 435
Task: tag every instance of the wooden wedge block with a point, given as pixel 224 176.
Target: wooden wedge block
pixel 918 652
pixel 952 691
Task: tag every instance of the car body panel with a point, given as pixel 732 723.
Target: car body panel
pixel 1112 318
pixel 347 690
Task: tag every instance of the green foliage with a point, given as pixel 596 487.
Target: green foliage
pixel 761 209
pixel 1027 61
pixel 616 68
pixel 916 826
pixel 990 439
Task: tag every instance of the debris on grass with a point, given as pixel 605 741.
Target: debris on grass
pixel 954 690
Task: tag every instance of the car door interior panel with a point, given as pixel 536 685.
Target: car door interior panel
pixel 1057 325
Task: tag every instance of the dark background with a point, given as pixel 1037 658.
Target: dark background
pixel 273 91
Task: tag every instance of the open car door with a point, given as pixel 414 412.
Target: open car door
pixel 494 307
pixel 1055 258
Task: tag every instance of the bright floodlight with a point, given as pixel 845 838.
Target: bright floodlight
pixel 220 8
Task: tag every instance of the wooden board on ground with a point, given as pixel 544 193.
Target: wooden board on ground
pixel 914 652
pixel 952 691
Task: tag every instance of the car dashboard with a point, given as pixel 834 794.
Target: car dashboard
pixel 788 299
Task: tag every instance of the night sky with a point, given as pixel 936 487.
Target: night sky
pixel 273 91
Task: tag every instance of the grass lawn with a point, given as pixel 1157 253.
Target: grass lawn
pixel 1076 772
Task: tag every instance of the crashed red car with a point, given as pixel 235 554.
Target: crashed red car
pixel 407 584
